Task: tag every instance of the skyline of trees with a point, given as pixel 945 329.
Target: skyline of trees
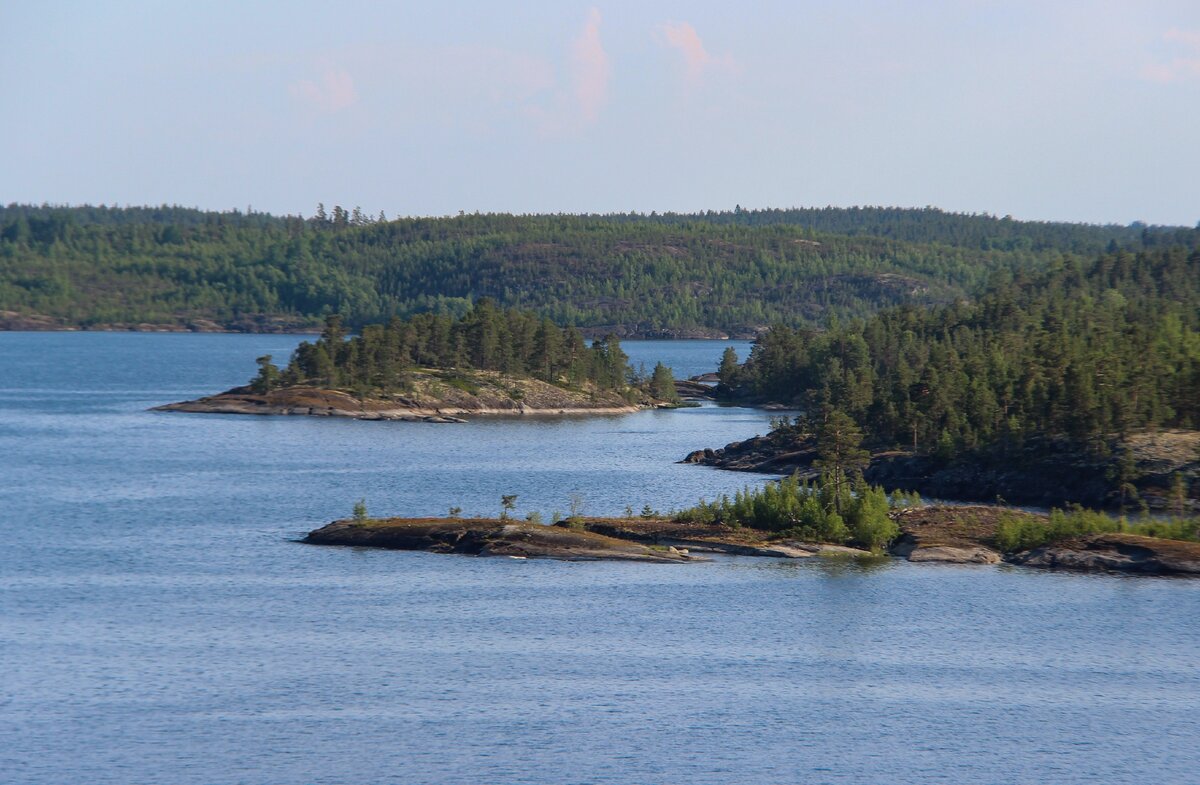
pixel 1079 351
pixel 730 271
pixel 486 338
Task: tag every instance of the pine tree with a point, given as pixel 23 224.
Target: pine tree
pixel 839 453
pixel 662 384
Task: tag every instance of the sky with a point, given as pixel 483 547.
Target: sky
pixel 1080 111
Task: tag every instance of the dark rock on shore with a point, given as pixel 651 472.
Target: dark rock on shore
pixel 1120 552
pixel 766 454
pixel 691 390
pixel 1046 472
pixel 958 535
pixel 490 537
pixel 966 535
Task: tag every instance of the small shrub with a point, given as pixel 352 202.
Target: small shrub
pixel 1020 533
pixel 824 511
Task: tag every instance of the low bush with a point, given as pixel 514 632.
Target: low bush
pixel 1021 532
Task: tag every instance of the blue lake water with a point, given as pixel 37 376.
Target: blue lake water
pixel 159 623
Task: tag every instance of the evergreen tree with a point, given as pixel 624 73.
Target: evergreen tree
pixel 662 384
pixel 839 453
pixel 268 375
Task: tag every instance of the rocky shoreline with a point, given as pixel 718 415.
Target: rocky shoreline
pixel 954 535
pixel 433 396
pixel 490 537
pixel 27 321
pixel 1046 473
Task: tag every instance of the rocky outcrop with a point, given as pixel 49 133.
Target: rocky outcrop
pixel 945 533
pixel 703 538
pixel 770 454
pixel 914 550
pixel 31 322
pixel 967 535
pixel 490 537
pixel 309 401
pixel 692 390
pixel 1045 472
pixel 431 396
pixel 958 535
pixel 1119 552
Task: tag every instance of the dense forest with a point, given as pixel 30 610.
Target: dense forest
pixel 486 338
pixel 1078 351
pixel 637 274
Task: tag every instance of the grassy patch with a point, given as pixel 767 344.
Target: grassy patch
pixel 1019 533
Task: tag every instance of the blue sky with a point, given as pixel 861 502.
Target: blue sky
pixel 1084 111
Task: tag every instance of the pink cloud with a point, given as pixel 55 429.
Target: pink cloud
pixel 697 60
pixel 1178 68
pixel 1187 37
pixel 590 69
pixel 334 91
pixel 579 98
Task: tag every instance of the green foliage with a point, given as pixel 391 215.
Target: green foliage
pixel 839 452
pixel 454 512
pixel 806 511
pixel 484 338
pixel 868 519
pixel 727 371
pixel 360 511
pixel 662 384
pixel 534 517
pixel 1078 352
pixel 731 271
pixel 268 375
pixel 508 503
pixel 1022 532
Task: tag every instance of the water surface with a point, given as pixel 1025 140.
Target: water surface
pixel 159 624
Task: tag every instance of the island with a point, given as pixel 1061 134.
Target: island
pixel 490 537
pixel 435 368
pixel 432 395
pixel 1077 383
pixel 954 535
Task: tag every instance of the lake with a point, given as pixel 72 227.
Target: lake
pixel 159 623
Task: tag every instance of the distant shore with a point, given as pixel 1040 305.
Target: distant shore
pixel 12 321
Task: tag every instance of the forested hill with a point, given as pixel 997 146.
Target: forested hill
pixel 731 272
pixel 1079 351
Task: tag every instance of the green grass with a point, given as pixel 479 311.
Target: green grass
pixel 1019 533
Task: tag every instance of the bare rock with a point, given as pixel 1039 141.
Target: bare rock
pixel 1119 552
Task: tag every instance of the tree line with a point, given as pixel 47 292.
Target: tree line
pixel 487 338
pixel 732 271
pixel 1079 351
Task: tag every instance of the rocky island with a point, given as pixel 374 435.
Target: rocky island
pixel 432 395
pixel 435 368
pixel 490 537
pixel 948 534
